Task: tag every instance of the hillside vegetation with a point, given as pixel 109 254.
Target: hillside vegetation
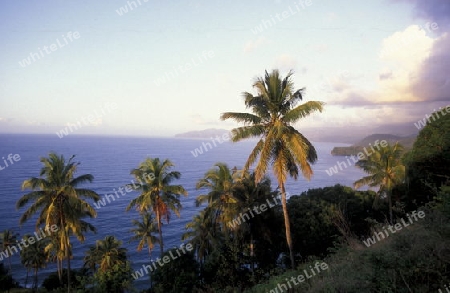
pixel 353 150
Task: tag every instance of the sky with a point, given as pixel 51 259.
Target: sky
pixel 157 68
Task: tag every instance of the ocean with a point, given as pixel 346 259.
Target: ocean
pixel 109 160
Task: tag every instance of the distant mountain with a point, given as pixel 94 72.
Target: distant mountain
pixel 206 133
pixel 400 129
pixel 407 142
pixel 406 132
pixel 335 134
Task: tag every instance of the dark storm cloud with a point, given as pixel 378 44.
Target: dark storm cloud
pixel 432 10
pixel 433 82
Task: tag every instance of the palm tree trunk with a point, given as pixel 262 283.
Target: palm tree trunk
pixel 390 206
pixel 161 245
pixel 252 252
pixel 59 269
pixel 68 263
pixel 66 244
pixel 287 225
pixel 26 278
pixel 35 283
pixel 150 255
pixel 10 269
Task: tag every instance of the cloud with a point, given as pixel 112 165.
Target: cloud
pixel 407 48
pixel 321 48
pixel 6 120
pixel 401 57
pixel 252 45
pixel 200 120
pixel 432 10
pixel 385 75
pixel 433 80
pixel 97 122
pixel 414 78
pixel 331 17
pixel 285 62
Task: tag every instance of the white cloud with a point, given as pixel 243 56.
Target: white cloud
pixel 401 57
pixel 285 62
pixel 252 45
pixel 412 74
pixel 407 49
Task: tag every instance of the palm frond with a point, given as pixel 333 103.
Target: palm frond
pixel 241 117
pixel 302 111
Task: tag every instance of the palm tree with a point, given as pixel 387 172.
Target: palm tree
pixel 144 232
pixel 203 235
pixel 157 193
pixel 60 201
pixel 56 253
pixel 106 254
pixel 274 111
pixel 386 170
pixel 111 260
pixel 7 239
pixel 250 194
pixel 220 181
pixel 33 256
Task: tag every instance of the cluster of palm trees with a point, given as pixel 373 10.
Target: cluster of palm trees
pixel 58 198
pixel 231 193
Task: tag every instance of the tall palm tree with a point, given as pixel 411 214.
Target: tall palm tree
pixel 33 256
pixel 220 182
pixel 7 239
pixel 60 201
pixel 274 111
pixel 157 192
pixel 144 232
pixel 386 170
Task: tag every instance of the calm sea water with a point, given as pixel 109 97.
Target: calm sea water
pixel 110 160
